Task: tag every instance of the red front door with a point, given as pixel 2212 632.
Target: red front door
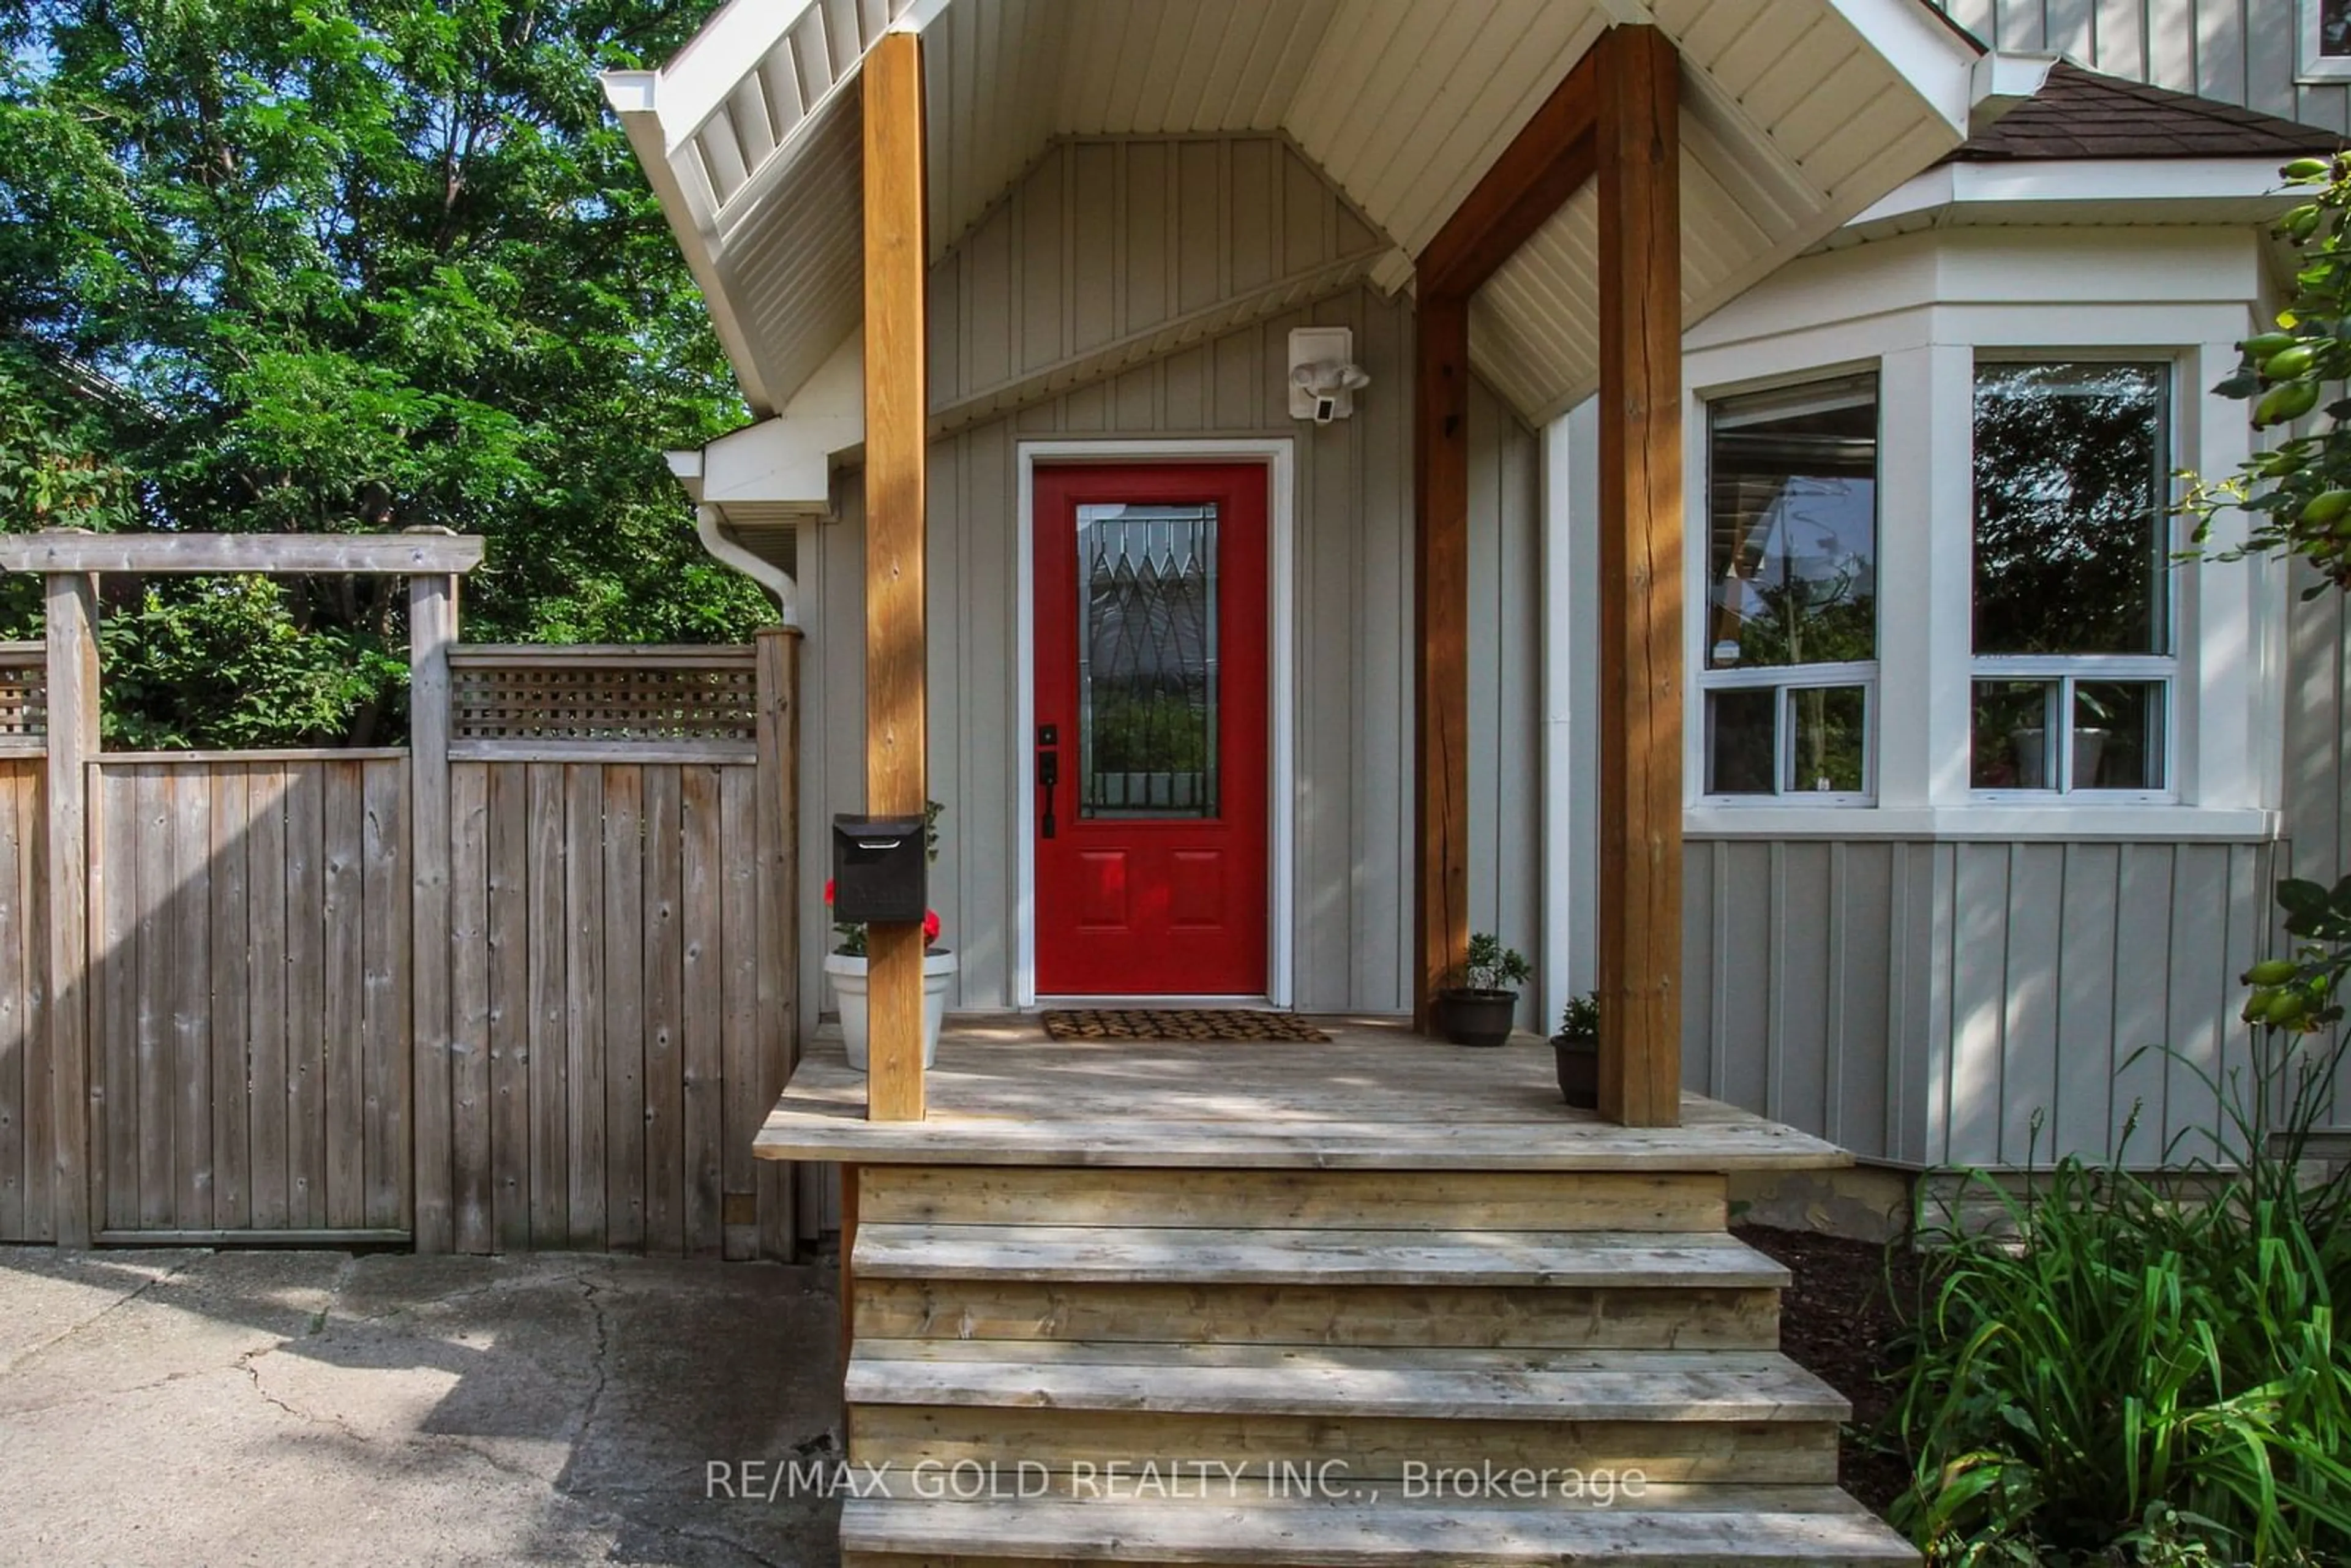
pixel 1151 729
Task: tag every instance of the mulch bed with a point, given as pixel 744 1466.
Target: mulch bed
pixel 1180 1023
pixel 1838 1322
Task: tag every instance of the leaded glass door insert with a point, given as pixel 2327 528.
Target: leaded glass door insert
pixel 1147 661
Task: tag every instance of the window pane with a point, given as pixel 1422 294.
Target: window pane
pixel 2335 28
pixel 1827 755
pixel 2070 539
pixel 2013 746
pixel 1147 661
pixel 1793 526
pixel 2118 734
pixel 1741 742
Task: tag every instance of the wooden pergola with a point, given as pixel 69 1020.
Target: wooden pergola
pixel 70 563
pixel 1613 118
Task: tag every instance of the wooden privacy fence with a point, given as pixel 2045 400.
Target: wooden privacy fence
pixel 619 917
pixel 524 984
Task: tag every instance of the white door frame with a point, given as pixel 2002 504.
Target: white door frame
pixel 1275 455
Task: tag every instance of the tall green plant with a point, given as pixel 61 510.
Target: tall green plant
pixel 2129 1370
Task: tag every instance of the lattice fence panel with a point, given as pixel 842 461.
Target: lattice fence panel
pixel 24 697
pixel 646 695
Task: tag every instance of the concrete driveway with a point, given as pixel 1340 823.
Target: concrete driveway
pixel 292 1408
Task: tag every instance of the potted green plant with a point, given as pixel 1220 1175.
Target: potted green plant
pixel 1577 1047
pixel 1481 1009
pixel 846 967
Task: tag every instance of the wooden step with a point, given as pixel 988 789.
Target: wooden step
pixel 1665 1527
pixel 1295 1199
pixel 1130 1255
pixel 1345 1381
pixel 1625 1318
pixel 1668 1415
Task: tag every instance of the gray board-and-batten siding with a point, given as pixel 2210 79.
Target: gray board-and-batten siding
pixel 1926 1003
pixel 2238 51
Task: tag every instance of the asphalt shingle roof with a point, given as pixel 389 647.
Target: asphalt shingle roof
pixel 2078 113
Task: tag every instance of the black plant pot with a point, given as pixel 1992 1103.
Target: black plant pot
pixel 1579 1070
pixel 1478 1018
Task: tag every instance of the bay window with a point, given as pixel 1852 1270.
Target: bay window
pixel 1788 675
pixel 2073 663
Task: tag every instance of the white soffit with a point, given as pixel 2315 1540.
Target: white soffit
pixel 1798 113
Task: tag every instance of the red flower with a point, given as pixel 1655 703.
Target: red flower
pixel 930 925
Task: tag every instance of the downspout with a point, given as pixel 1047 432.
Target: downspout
pixel 765 573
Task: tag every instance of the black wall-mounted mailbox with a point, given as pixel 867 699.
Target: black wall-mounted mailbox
pixel 879 870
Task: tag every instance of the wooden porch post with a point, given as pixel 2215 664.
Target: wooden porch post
pixel 896 396
pixel 1544 164
pixel 1640 580
pixel 1440 470
pixel 71 607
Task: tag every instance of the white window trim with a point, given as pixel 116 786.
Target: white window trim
pixel 2066 667
pixel 2314 67
pixel 1784 678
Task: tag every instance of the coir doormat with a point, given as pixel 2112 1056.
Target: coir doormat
pixel 1178 1023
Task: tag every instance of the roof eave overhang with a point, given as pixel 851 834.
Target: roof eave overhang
pixel 760 95
pixel 2058 191
pixel 636 98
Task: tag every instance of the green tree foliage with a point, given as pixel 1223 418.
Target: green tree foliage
pixel 347 264
pixel 2298 494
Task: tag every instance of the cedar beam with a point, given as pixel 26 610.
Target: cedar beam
pixel 1440 469
pixel 1640 578
pixel 1551 156
pixel 897 398
pixel 1548 161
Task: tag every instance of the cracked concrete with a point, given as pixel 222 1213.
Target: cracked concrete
pixel 217 1407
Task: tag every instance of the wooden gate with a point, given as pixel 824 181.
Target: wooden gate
pixel 249 940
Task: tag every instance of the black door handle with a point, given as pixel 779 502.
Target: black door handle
pixel 1049 774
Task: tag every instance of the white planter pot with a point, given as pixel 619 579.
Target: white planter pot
pixel 847 972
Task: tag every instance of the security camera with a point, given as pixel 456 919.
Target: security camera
pixel 1330 385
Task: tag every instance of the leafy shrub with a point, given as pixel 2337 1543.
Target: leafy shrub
pixel 228 662
pixel 2135 1372
pixel 1492 966
pixel 1581 1017
pixel 2296 495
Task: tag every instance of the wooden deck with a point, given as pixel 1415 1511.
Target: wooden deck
pixel 1375 1097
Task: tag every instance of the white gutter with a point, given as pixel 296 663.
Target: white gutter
pixel 707 525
